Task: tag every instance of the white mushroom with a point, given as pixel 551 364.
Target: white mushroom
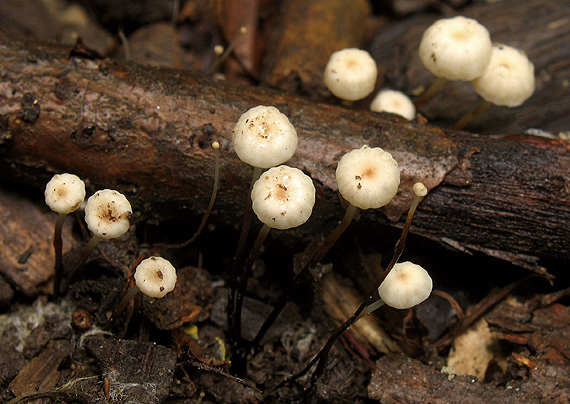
pixel 155 277
pixel 457 48
pixel 368 177
pixel 508 79
pixel 263 137
pixel 283 197
pixel 351 74
pixel 405 286
pixel 107 214
pixel 64 193
pixel 395 102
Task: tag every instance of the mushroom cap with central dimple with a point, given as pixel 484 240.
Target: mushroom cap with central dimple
pixel 283 197
pixel 107 214
pixel 406 285
pixel 509 78
pixel 64 193
pixel 263 137
pixel 457 48
pixel 368 177
pixel 155 277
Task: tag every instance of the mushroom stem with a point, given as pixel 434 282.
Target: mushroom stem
pixel 58 250
pixel 371 308
pixel 87 250
pixel 321 358
pixel 432 90
pixel 317 256
pixel 129 295
pixel 480 109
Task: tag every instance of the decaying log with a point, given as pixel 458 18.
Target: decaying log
pixel 147 131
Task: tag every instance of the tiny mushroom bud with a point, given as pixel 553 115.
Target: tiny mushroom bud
pixel 350 74
pixel 509 78
pixel 64 193
pixel 395 102
pixel 107 214
pixel 405 286
pixel 368 178
pixel 264 137
pixel 456 48
pixel 155 277
pixel 283 197
pixel 419 189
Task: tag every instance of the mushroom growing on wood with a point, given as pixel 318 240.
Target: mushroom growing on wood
pixel 350 74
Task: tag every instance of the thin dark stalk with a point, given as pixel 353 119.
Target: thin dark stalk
pixel 317 256
pixel 87 250
pixel 321 358
pixel 58 250
pixel 480 109
pixel 131 293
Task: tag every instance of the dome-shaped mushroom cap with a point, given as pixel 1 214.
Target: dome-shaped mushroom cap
pixel 456 48
pixel 283 197
pixel 509 78
pixel 368 178
pixel 263 137
pixel 350 74
pixel 64 193
pixel 155 277
pixel 107 214
pixel 395 102
pixel 406 285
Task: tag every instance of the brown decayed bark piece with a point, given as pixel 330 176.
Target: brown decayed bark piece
pixel 147 132
pixel 26 236
pixel 309 32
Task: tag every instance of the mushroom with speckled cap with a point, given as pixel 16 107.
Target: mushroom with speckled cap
pixel 155 277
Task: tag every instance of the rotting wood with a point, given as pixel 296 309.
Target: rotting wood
pixel 147 131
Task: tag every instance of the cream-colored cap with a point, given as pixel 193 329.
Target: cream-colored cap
pixel 283 197
pixel 65 193
pixel 406 285
pixel 107 214
pixel 155 277
pixel 457 48
pixel 368 178
pixel 263 137
pixel 351 74
pixel 509 78
pixel 395 102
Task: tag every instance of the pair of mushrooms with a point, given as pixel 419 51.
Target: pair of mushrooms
pixel 107 214
pixel 351 74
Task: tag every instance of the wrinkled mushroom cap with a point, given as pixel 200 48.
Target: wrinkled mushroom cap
pixel 64 193
pixel 155 277
pixel 395 102
pixel 283 197
pixel 107 214
pixel 350 74
pixel 263 137
pixel 456 48
pixel 509 78
pixel 368 177
pixel 406 285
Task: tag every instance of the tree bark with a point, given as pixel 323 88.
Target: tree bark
pixel 147 132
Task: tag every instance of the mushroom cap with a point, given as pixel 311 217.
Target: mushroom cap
pixel 406 285
pixel 509 78
pixel 155 277
pixel 107 214
pixel 283 197
pixel 420 189
pixel 395 102
pixel 368 177
pixel 65 193
pixel 263 137
pixel 457 48
pixel 350 74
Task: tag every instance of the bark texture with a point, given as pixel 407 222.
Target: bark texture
pixel 147 132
